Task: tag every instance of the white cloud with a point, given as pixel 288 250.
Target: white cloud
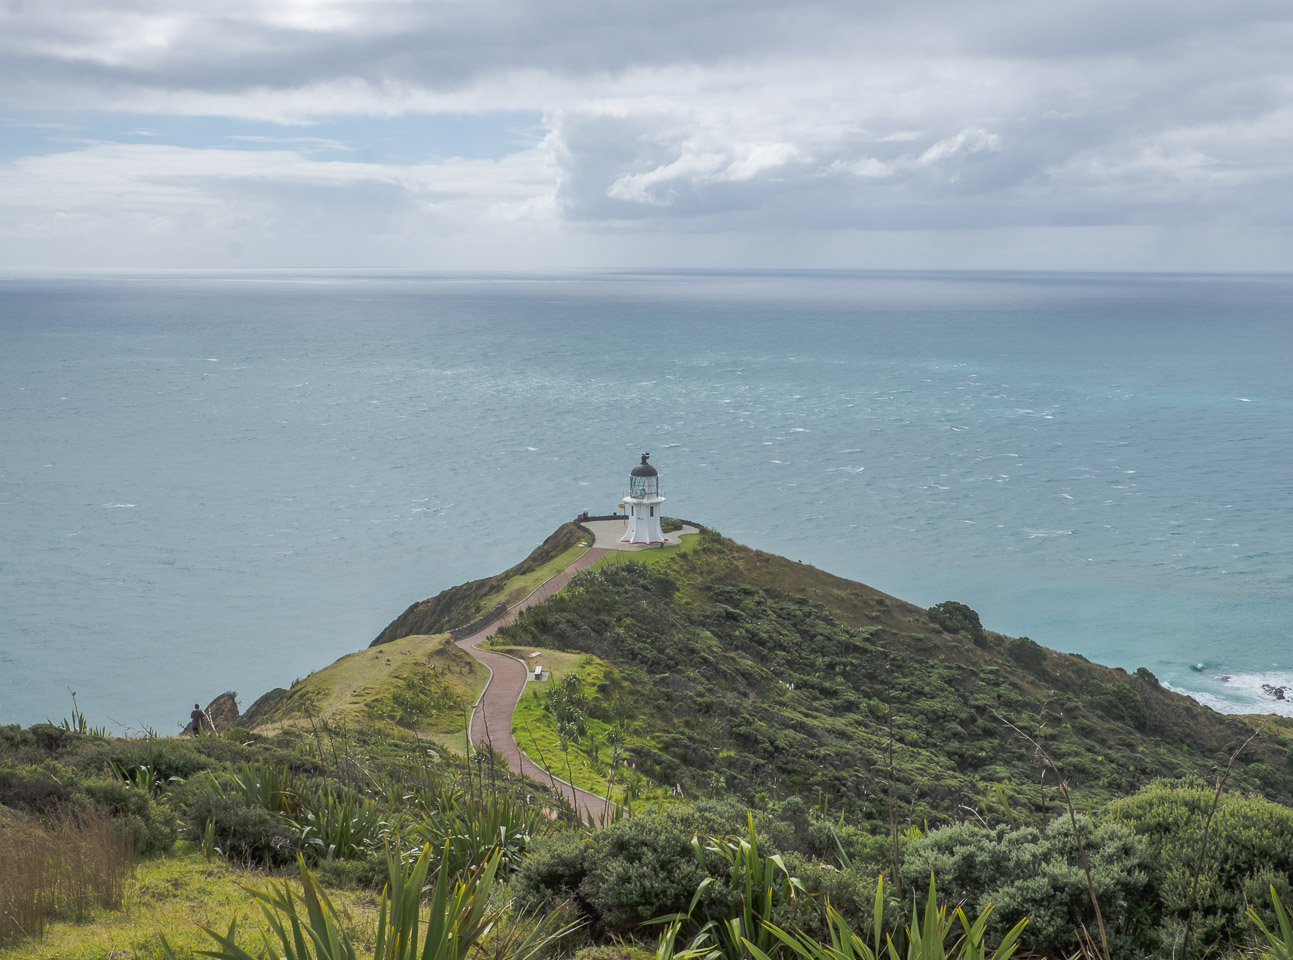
pixel 960 144
pixel 755 119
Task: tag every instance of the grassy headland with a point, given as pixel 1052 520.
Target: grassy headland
pixel 779 738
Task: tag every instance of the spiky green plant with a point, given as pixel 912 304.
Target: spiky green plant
pixel 268 786
pixel 1279 944
pixel 925 940
pixel 142 778
pixel 209 848
pixel 757 884
pixel 340 826
pixel 458 918
pixel 472 828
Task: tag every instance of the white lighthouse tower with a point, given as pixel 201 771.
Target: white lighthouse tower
pixel 643 505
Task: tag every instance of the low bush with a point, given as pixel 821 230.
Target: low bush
pixel 35 789
pixel 1036 874
pixel 1248 850
pixel 242 833
pixel 150 825
pixel 630 872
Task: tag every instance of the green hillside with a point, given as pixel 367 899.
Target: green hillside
pixel 784 747
pixel 733 672
pixel 458 605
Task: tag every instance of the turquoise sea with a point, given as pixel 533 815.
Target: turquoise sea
pixel 225 481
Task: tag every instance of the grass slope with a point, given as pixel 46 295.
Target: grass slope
pixel 420 684
pixel 461 604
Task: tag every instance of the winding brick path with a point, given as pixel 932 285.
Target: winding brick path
pixel 493 713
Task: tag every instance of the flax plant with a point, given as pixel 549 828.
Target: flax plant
pixel 458 919
pixel 757 883
pixel 1279 943
pixel 924 940
pixel 470 831
pixel 340 827
pixel 264 785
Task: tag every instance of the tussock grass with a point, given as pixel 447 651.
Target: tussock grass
pixel 63 869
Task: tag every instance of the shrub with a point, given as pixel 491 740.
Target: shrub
pixel 244 834
pixel 638 870
pixel 1036 874
pixel 851 891
pixel 952 617
pixel 1248 848
pixel 1028 653
pixel 34 789
pixel 553 871
pixel 627 873
pixel 150 826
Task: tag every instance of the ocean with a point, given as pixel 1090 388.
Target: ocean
pixel 227 480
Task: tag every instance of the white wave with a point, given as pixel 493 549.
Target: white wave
pixel 118 506
pixel 1036 534
pixel 1243 693
pixel 800 430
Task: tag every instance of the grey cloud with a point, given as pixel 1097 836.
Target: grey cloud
pixel 717 117
pixel 227 47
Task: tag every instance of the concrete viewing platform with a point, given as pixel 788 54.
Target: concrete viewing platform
pixel 607 533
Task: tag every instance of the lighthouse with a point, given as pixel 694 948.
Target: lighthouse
pixel 643 505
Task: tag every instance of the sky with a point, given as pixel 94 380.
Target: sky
pixel 568 134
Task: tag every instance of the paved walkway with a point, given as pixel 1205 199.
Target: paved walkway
pixel 491 720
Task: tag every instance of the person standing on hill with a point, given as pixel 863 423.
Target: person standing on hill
pixel 199 717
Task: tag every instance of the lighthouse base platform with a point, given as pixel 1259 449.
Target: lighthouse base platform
pixel 607 535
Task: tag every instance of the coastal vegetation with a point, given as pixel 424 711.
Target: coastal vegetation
pixel 796 767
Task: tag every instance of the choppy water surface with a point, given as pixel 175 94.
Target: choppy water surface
pixel 213 482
